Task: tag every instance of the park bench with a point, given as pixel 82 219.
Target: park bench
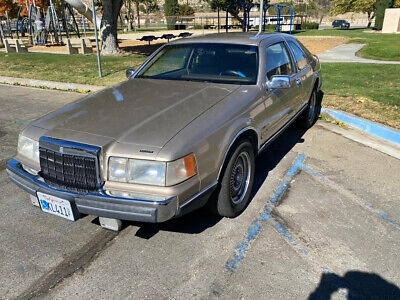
pixel 9 47
pixel 20 47
pixel 70 48
pixel 148 38
pixel 86 46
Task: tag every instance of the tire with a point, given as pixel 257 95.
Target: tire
pixel 310 115
pixel 236 183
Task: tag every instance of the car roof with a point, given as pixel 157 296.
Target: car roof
pixel 242 38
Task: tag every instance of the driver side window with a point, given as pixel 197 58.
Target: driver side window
pixel 278 61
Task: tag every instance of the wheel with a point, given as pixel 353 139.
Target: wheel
pixel 311 113
pixel 236 183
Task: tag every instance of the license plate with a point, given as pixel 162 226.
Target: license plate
pixel 56 206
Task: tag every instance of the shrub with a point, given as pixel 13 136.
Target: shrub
pixel 269 27
pixel 309 25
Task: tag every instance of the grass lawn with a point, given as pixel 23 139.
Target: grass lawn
pixel 370 91
pixel 68 68
pixel 378 46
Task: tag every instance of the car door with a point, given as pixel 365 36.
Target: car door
pixel 304 75
pixel 278 102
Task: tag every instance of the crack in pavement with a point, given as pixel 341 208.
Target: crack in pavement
pixel 78 260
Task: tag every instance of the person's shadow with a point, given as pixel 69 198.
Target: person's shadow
pixel 359 285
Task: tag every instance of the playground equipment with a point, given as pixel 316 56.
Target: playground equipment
pixel 5 28
pixel 278 16
pixel 246 14
pixel 45 26
pixel 246 7
pixel 84 10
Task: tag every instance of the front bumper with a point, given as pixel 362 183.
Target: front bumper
pixel 100 204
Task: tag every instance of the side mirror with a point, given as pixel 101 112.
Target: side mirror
pixel 278 82
pixel 129 73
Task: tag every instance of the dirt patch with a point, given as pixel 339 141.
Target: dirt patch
pixel 365 108
pixel 319 44
pixel 48 48
pixel 316 44
pixel 127 47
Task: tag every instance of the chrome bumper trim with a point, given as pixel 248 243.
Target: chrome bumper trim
pixel 98 204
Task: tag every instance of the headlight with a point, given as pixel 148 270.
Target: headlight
pixel 151 172
pixel 28 148
pixel 117 169
pixel 146 172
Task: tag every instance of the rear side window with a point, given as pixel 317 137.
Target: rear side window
pixel 278 60
pixel 299 56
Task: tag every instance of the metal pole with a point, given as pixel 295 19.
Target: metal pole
pixel 261 16
pixel 219 24
pixel 2 38
pixel 84 24
pixel 97 39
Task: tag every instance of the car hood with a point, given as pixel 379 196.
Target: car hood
pixel 138 111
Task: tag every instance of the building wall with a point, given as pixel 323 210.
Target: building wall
pixel 391 22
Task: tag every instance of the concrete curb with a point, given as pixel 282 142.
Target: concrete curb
pixel 384 132
pixel 51 84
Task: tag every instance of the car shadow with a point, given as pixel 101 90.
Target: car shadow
pixel 358 285
pixel 274 153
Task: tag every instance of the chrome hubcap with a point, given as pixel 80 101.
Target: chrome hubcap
pixel 240 178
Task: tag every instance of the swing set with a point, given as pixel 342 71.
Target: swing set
pixel 246 7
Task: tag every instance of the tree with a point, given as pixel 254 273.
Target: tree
pixel 235 10
pixel 147 7
pixel 10 7
pixel 129 14
pixel 363 6
pixel 186 10
pixel 396 4
pixel 171 10
pixel 322 8
pixel 109 41
pixel 381 6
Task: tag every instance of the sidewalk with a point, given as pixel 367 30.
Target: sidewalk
pixel 76 87
pixel 347 53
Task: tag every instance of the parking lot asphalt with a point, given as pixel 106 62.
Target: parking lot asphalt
pixel 19 106
pixel 324 221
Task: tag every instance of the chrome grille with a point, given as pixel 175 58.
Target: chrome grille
pixel 72 172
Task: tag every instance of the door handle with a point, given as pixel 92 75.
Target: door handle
pixel 298 81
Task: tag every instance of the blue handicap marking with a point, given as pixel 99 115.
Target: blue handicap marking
pixel 44 204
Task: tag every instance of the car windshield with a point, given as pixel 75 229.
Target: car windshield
pixel 220 63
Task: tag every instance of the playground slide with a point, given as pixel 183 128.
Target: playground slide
pixel 83 9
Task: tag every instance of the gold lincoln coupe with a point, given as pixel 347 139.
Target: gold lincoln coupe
pixel 181 132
